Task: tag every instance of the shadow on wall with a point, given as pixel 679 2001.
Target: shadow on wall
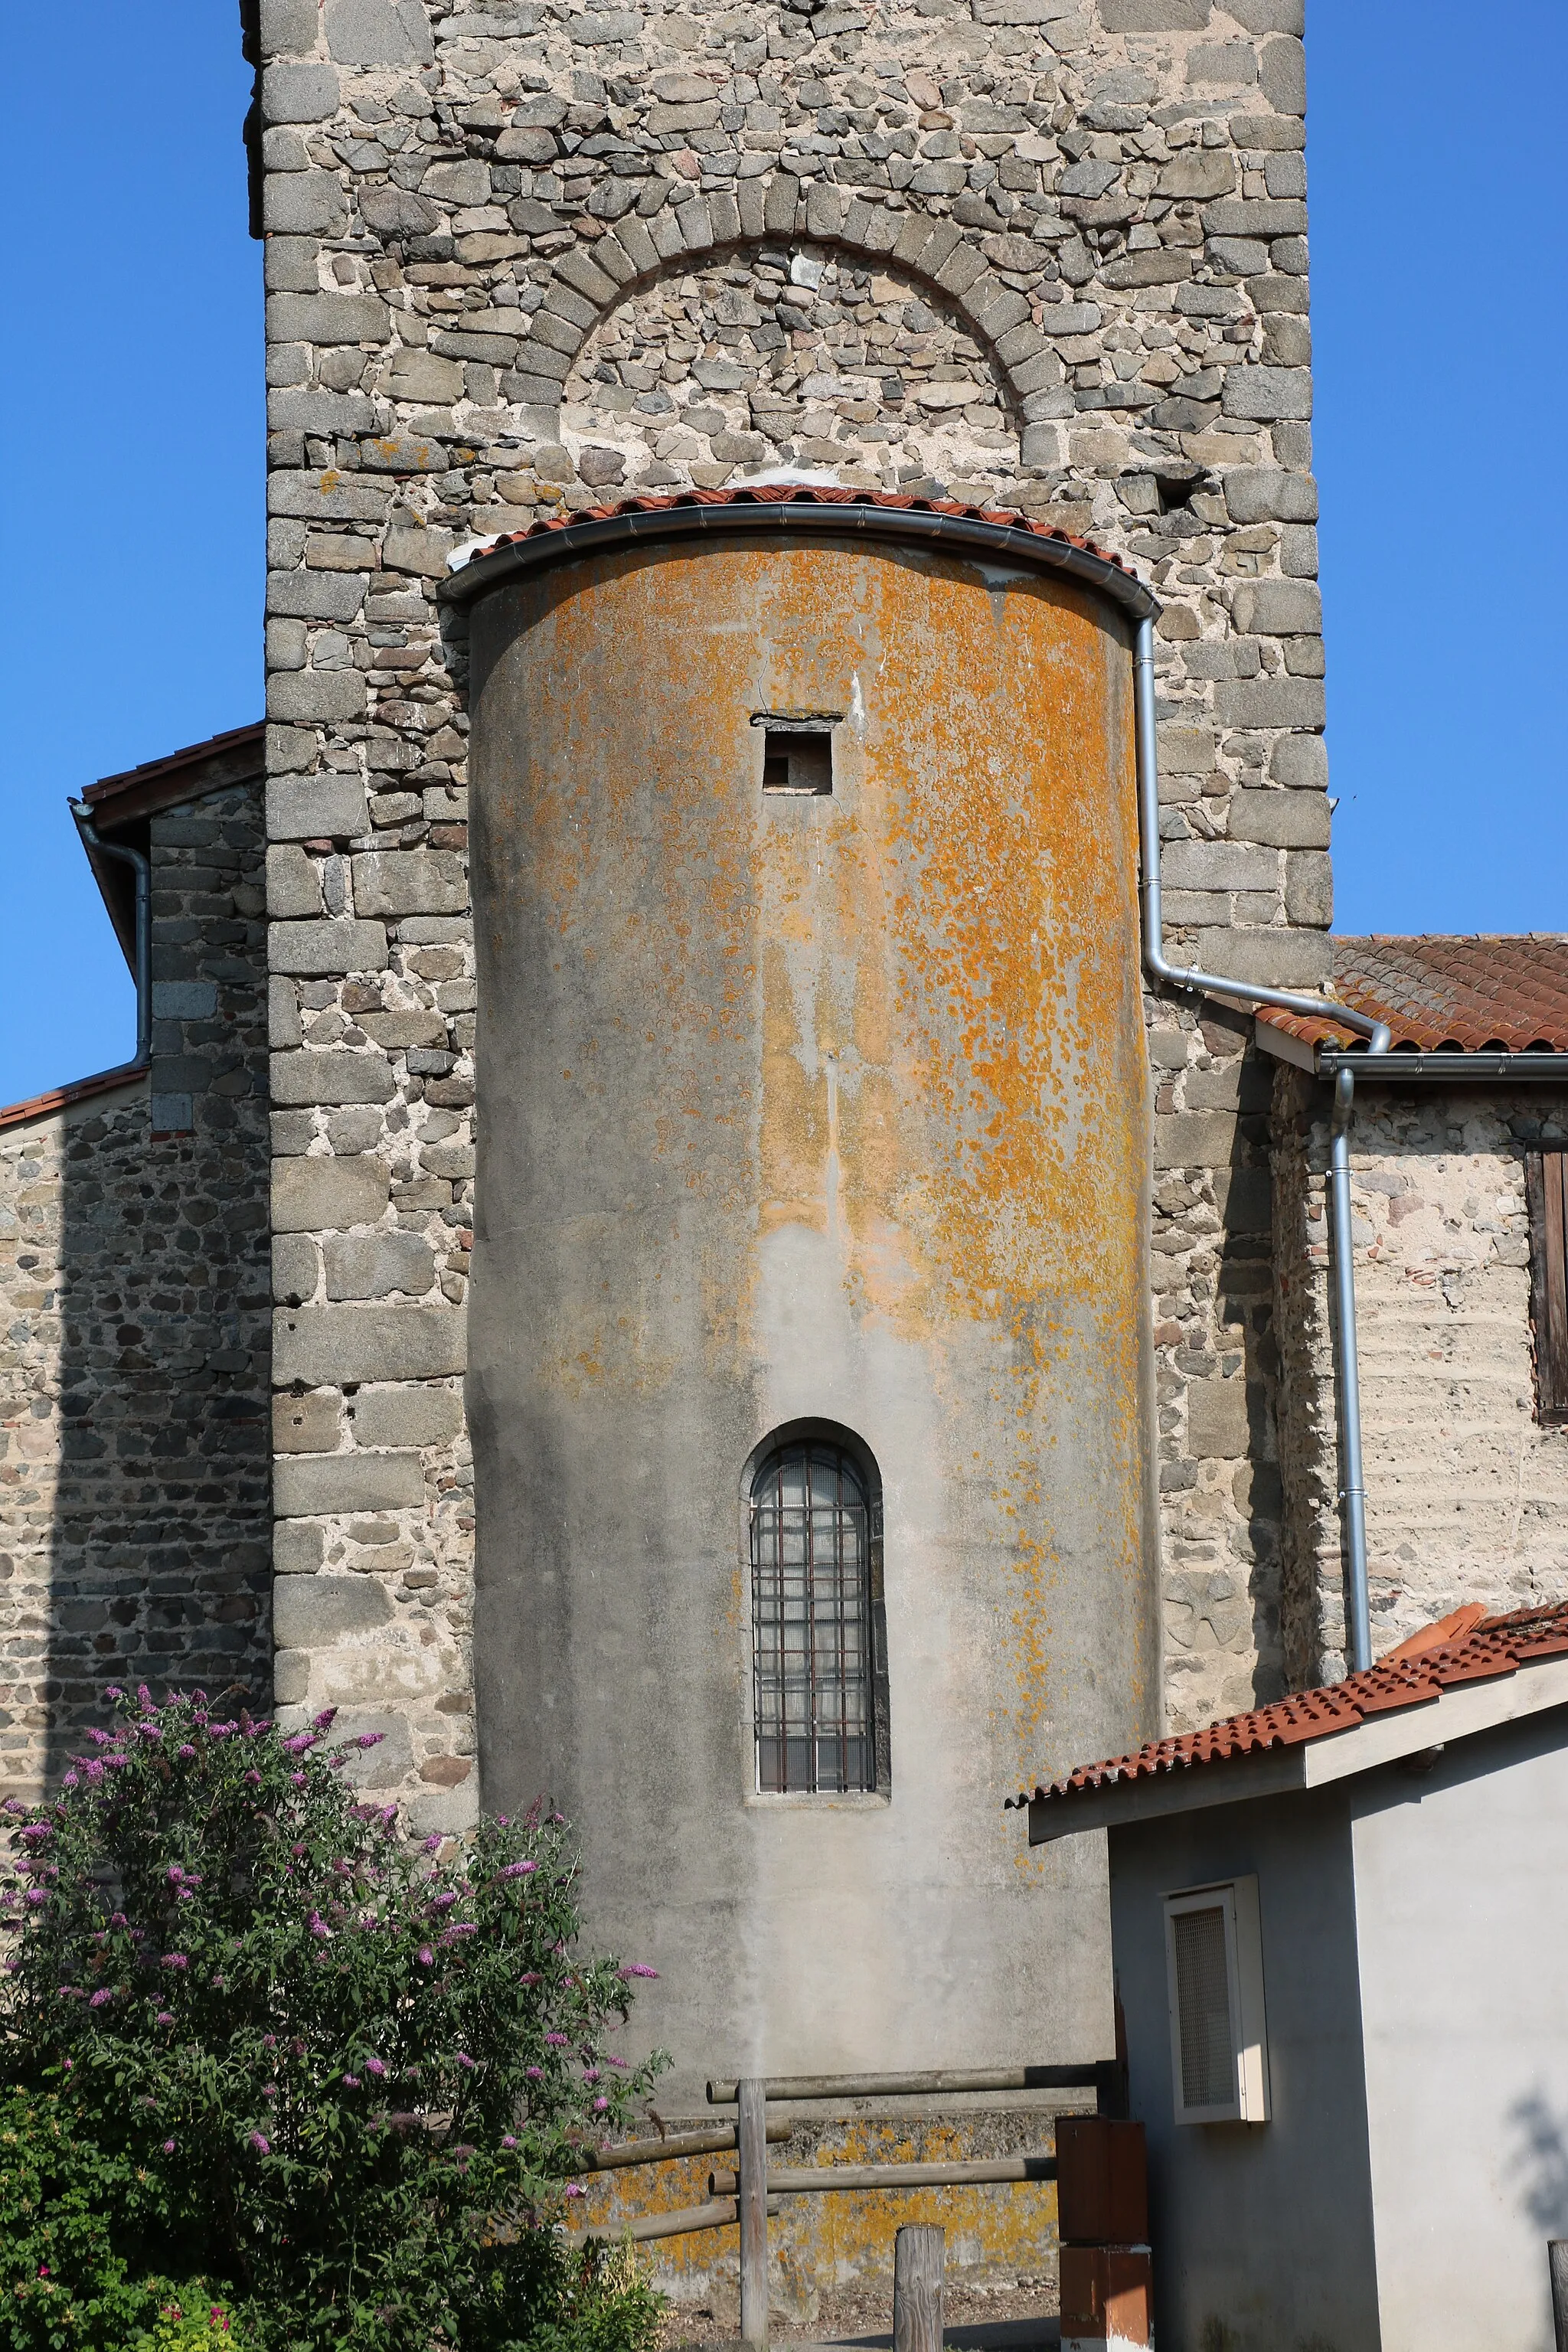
pixel 1541 2163
pixel 134 1366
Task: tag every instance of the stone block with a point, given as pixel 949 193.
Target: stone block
pixel 326 595
pixel 291 1677
pixel 1285 820
pixel 1301 763
pixel 315 1195
pixel 315 696
pixel 302 204
pixel 410 882
pixel 328 319
pixel 448 1812
pixel 374 1265
pixel 1258 217
pixel 392 211
pixel 319 1345
pixel 1217 1424
pixel 385 1764
pixel 1278 608
pixel 297 1550
pixel 309 1612
pixel 1154 16
pixel 293 883
pixel 420 551
pixel 1276 958
pixel 1187 751
pixel 1270 494
pixel 1266 16
pixel 307 1424
pixel 171 1114
pixel 303 93
pixel 1282 70
pixel 1263 393
pixel 1309 886
pixel 1218 865
pixel 336 1076
pixel 287 28
pixel 406 1416
pixel 1194 1139
pixel 185 1000
pixel 311 1485
pixel 1269 702
pixel 378 33
pixel 467 183
pixel 424 376
pixel 295 1269
pixel 1197 175
pixel 312 951
pixel 316 808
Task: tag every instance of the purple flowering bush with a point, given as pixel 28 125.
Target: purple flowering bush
pixel 347 2079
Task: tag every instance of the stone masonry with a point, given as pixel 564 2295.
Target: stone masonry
pixel 134 1307
pixel 1467 1492
pixel 530 258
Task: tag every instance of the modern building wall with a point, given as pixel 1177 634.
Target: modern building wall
pixel 1461 1922
pixel 521 260
pixel 1262 2233
pixel 134 1487
pixel 1466 1491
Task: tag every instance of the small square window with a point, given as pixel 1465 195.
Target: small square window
pixel 1214 1960
pixel 797 755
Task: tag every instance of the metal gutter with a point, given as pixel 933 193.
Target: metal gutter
pixel 1400 1067
pixel 1243 991
pixel 137 859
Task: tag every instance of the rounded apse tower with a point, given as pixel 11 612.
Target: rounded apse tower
pixel 809 1356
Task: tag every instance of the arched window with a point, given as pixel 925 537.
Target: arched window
pixel 816 1539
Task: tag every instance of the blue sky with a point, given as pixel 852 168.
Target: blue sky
pixel 131 413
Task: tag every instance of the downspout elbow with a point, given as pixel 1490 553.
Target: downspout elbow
pixel 141 866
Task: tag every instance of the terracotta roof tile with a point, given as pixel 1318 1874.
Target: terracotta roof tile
pixel 1467 1648
pixel 808 494
pixel 178 776
pixel 1439 994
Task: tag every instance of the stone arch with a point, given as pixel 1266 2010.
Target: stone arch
pixel 807 357
pixel 588 282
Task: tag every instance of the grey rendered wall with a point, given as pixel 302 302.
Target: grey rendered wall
pixel 743 1162
pixel 1262 2235
pixel 1462 1904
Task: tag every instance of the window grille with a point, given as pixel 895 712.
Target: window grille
pixel 812 1528
pixel 1546 1189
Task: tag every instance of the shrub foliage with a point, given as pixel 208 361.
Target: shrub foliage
pixel 346 2077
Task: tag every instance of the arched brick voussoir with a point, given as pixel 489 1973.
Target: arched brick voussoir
pixel 590 279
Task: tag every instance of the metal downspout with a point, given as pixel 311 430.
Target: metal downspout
pixel 137 859
pixel 1376 1032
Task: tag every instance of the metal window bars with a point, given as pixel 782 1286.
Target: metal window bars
pixel 812 1534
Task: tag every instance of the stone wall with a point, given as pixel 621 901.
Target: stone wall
pixel 523 258
pixel 1467 1492
pixel 133 1367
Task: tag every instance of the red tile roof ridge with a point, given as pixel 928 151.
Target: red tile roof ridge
pixel 102 1082
pixel 803 494
pixel 1469 1648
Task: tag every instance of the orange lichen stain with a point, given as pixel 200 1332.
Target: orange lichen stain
pixel 906 1018
pixel 994 2230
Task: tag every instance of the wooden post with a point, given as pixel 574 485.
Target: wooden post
pixel 1557 2259
pixel 751 2169
pixel 917 2289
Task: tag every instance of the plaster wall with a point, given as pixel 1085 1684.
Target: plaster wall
pixel 1262 2234
pixel 1462 1919
pixel 811 1108
pixel 1466 1491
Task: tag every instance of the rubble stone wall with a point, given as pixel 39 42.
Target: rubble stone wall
pixel 1467 1493
pixel 523 259
pixel 134 1507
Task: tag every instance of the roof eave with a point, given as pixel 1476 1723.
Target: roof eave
pixel 1531 1687
pixel 1400 1067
